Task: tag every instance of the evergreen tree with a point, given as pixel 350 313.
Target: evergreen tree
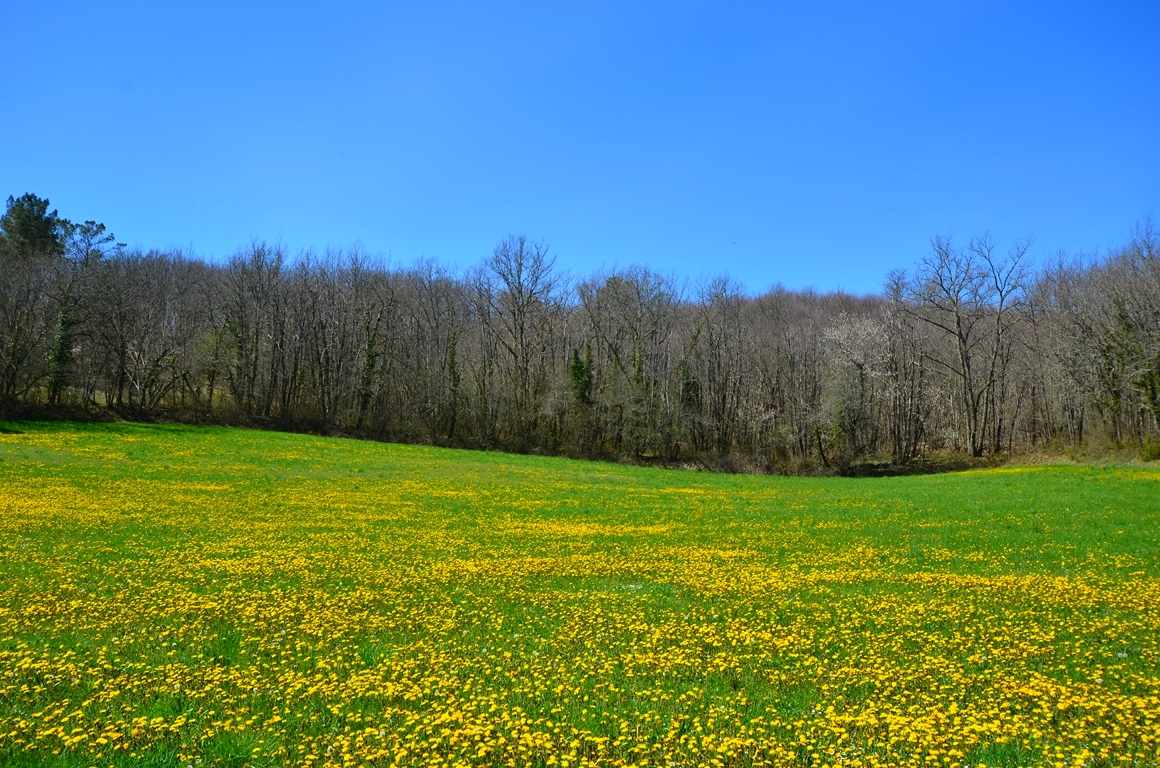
pixel 581 381
pixel 29 230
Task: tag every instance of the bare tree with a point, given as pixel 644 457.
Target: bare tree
pixel 629 321
pixel 523 309
pixel 906 375
pixel 970 354
pixel 972 296
pixel 856 351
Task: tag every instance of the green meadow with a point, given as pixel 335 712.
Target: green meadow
pixel 176 595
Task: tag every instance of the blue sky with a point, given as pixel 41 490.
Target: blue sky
pixel 818 144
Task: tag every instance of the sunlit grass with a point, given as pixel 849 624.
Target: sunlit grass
pixel 174 595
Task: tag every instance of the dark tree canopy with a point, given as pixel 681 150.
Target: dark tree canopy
pixel 28 229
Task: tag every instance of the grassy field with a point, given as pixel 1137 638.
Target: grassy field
pixel 189 596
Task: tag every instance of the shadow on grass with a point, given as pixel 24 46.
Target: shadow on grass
pixel 928 465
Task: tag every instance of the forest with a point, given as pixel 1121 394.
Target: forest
pixel 976 351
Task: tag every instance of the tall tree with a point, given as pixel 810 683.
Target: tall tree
pixel 29 230
pixel 524 306
pixel 971 296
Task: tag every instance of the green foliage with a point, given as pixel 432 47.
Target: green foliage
pixel 690 388
pixel 581 376
pixel 28 229
pixel 89 240
pixel 60 355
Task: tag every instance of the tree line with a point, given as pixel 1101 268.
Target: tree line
pixel 973 352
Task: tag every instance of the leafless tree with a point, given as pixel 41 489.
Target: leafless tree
pixel 973 297
pixel 971 353
pixel 523 307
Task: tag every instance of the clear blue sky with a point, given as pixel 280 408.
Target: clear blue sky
pixel 818 146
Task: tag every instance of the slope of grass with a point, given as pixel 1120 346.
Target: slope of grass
pixel 193 596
